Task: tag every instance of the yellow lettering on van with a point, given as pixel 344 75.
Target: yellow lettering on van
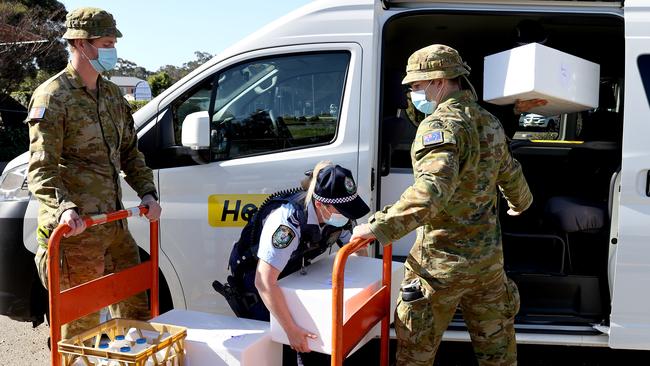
pixel 232 210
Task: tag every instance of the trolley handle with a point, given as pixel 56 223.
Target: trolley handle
pixel 346 334
pixel 81 300
pixel 102 219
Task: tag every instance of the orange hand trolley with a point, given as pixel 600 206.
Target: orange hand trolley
pixel 347 333
pixel 92 296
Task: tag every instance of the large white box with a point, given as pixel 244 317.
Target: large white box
pixel 568 83
pixel 218 340
pixel 309 297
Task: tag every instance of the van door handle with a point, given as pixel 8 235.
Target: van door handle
pixel 647 184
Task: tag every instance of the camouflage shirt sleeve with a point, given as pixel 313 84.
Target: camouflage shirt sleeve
pixel 46 133
pixel 138 175
pixel 512 183
pixel 436 165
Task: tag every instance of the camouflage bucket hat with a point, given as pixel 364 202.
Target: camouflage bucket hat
pixel 89 23
pixel 435 62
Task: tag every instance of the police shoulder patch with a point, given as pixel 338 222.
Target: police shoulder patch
pixel 283 236
pixel 433 138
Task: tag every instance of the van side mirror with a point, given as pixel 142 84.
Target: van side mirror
pixel 195 136
pixel 195 132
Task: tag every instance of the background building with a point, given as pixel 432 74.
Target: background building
pixel 132 87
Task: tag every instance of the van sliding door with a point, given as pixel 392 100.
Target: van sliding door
pixel 630 317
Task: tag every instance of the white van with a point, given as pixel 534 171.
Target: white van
pixel 324 83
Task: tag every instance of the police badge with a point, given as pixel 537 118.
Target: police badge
pixel 283 236
pixel 349 185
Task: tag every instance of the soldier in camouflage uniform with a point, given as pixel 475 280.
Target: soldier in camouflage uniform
pixel 460 156
pixel 81 137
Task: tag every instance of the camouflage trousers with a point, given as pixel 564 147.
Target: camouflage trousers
pixel 97 251
pixel 489 303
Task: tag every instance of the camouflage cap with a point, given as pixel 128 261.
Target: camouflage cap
pixel 435 62
pixel 89 23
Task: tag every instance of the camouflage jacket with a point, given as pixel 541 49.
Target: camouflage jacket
pixel 79 143
pixel 460 155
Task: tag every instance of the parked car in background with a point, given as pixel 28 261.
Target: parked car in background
pixel 537 120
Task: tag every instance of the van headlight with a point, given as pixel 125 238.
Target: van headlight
pixel 13 184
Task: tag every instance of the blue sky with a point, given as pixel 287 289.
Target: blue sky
pixel 157 33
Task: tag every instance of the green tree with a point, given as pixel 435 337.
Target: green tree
pixel 201 58
pixel 30 32
pixel 128 68
pixel 176 73
pixel 159 82
pixel 31 51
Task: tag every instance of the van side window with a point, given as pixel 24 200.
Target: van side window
pixel 644 69
pixel 197 100
pixel 278 104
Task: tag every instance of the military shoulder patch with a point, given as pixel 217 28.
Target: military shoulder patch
pixel 36 113
pixel 433 138
pixel 283 236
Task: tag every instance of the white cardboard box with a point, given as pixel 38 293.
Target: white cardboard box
pixel 309 297
pixel 569 83
pixel 224 340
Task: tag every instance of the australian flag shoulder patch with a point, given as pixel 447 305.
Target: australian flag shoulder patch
pixel 433 138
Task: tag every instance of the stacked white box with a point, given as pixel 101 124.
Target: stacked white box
pixel 218 340
pixel 309 297
pixel 568 83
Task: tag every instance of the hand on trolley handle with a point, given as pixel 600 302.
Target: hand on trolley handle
pixel 81 300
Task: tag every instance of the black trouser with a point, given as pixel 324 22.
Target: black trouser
pixel 293 358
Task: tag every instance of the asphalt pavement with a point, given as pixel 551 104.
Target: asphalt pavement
pixel 22 345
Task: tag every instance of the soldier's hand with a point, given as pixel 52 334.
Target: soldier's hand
pixel 154 207
pixel 298 339
pixel 512 212
pixel 362 232
pixel 522 106
pixel 72 219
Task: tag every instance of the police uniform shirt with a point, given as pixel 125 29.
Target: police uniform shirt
pixel 281 235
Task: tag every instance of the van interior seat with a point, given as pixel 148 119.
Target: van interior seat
pixel 574 214
pixel 577 203
pixel 594 165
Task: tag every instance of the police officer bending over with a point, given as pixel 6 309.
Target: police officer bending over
pixel 289 230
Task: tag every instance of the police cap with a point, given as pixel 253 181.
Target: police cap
pixel 335 186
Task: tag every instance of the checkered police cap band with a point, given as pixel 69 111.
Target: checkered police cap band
pixel 331 201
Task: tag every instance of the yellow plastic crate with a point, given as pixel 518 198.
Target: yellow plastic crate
pixel 164 351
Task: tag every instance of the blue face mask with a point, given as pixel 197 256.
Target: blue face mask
pixel 421 103
pixel 336 220
pixel 106 59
